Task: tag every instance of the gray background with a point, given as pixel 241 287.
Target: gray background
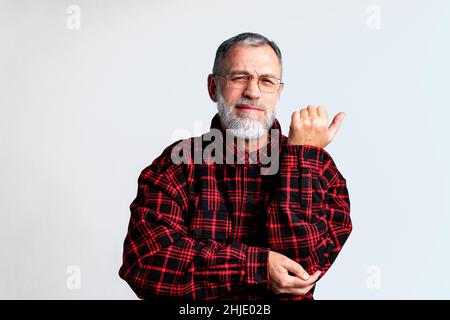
pixel 83 111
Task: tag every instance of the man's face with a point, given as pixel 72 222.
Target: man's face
pixel 248 112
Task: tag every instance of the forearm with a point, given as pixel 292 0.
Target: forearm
pixel 175 265
pixel 309 218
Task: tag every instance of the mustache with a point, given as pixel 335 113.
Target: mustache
pixel 258 103
pixel 231 105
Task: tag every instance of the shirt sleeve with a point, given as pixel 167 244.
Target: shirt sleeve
pixel 309 217
pixel 162 260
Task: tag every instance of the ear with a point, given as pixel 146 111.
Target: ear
pixel 212 85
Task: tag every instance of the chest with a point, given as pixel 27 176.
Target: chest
pixel 227 202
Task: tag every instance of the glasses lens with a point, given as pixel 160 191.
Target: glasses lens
pixel 238 81
pixel 266 84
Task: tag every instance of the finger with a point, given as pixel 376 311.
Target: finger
pixel 314 277
pixel 336 124
pixel 311 280
pixel 304 114
pixel 296 269
pixel 312 111
pixel 301 291
pixel 322 113
pixel 295 117
pixel 294 282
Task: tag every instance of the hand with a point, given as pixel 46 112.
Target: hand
pixel 310 127
pixel 282 282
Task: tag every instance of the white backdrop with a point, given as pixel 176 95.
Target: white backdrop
pixel 92 91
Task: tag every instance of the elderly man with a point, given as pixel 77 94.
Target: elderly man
pixel 226 229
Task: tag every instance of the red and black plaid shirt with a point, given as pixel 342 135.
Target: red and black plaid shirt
pixel 204 231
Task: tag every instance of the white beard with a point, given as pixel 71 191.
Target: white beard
pixel 245 128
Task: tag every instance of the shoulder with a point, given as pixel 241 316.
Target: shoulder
pixel 175 157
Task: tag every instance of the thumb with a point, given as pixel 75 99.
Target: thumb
pixel 336 124
pixel 296 269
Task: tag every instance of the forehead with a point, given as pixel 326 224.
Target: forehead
pixel 260 60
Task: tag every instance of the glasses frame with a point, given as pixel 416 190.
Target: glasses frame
pixel 228 80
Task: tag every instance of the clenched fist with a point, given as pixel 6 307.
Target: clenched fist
pixel 310 127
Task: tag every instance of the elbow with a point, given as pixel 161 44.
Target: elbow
pixel 135 282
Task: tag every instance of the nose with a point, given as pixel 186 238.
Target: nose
pixel 252 90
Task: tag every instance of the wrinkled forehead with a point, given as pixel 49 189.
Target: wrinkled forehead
pixel 255 60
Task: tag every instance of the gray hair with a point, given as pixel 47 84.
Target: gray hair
pixel 247 38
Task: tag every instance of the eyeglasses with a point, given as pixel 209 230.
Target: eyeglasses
pixel 241 81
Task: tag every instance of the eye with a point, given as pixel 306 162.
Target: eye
pixel 239 78
pixel 268 81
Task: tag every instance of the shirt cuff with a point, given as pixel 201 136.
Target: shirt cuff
pixel 303 156
pixel 258 267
